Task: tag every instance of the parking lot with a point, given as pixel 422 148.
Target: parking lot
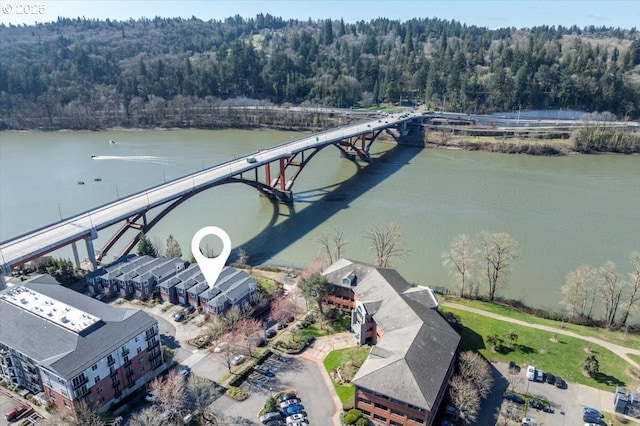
pixel 288 373
pixel 567 403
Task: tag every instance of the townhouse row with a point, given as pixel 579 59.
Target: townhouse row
pixel 175 281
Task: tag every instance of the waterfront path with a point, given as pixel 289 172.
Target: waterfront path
pixel 621 351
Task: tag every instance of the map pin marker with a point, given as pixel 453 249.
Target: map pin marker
pixel 211 267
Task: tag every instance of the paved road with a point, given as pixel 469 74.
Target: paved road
pixel 621 351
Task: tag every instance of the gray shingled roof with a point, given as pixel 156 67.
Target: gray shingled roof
pixel 411 360
pixel 59 349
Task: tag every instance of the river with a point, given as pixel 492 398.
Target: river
pixel 563 211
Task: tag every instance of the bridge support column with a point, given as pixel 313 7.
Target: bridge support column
pixel 76 257
pixel 3 283
pixel 90 250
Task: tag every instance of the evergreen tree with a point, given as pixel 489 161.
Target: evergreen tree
pixel 145 247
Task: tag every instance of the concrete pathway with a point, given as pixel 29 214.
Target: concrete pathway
pixel 621 351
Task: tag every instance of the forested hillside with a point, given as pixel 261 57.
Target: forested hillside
pixel 78 73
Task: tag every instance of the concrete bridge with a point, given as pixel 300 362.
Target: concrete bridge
pixel 271 171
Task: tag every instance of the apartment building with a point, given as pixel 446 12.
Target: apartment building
pixel 404 379
pixel 72 348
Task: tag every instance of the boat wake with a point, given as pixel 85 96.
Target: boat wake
pixel 139 158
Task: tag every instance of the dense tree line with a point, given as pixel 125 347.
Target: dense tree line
pixel 81 73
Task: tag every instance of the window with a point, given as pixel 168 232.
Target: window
pixel 139 350
pixel 94 367
pixel 365 412
pixel 66 404
pixel 379 395
pixel 413 407
pixel 380 406
pixel 392 423
pixel 364 400
pixel 397 413
pixel 99 391
pixel 415 419
pixel 96 380
pixel 136 340
pixel 377 417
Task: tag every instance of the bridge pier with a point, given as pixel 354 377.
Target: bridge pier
pixel 90 250
pixel 76 257
pixel 3 283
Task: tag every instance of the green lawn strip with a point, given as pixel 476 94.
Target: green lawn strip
pixel 335 359
pixel 636 358
pixel 535 347
pixel 616 337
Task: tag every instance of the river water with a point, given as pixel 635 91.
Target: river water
pixel 564 212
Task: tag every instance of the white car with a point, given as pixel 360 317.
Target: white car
pixel 238 359
pixel 221 347
pixel 528 421
pixel 295 418
pixel 184 372
pixel 150 397
pixel 531 373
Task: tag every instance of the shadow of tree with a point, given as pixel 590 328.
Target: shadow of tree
pixel 608 380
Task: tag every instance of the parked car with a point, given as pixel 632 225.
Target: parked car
pixel 559 383
pixel 549 378
pixel 296 417
pixel 270 333
pixel 286 397
pixel 528 421
pixel 539 376
pixel 587 418
pixel 589 410
pixel 261 341
pixel 280 326
pixel 531 373
pixel 510 396
pixel 294 409
pixel 221 347
pixel 537 405
pixel 513 367
pixel 184 372
pixel 149 397
pixel 238 359
pixel 290 402
pixel 188 310
pixel 178 317
pixel 15 413
pixel 267 417
pixel 251 160
pixel 169 413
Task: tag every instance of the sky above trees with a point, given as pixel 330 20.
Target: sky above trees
pixel 486 13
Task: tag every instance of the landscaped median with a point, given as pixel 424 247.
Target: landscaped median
pixel 342 365
pixel 562 355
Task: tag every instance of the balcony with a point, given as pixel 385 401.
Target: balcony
pixel 113 371
pixel 111 361
pixel 125 352
pixel 150 335
pixel 79 381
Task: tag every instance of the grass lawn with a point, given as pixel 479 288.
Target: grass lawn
pixel 619 338
pixel 563 357
pixel 336 359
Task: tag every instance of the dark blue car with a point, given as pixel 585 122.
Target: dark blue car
pixel 294 409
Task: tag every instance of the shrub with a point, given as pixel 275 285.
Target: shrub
pixel 269 406
pixel 237 393
pixel 352 417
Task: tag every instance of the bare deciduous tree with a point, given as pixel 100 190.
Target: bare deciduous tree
pixel 202 393
pixel 247 331
pixel 634 281
pixel 499 252
pixel 611 291
pixel 227 347
pixel 332 245
pixel 173 248
pixel 388 244
pixel 474 368
pixel 148 416
pixel 170 393
pixel 464 396
pixel 282 308
pixel 578 291
pixel 460 262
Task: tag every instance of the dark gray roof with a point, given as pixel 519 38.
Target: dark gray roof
pixel 411 360
pixel 59 349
